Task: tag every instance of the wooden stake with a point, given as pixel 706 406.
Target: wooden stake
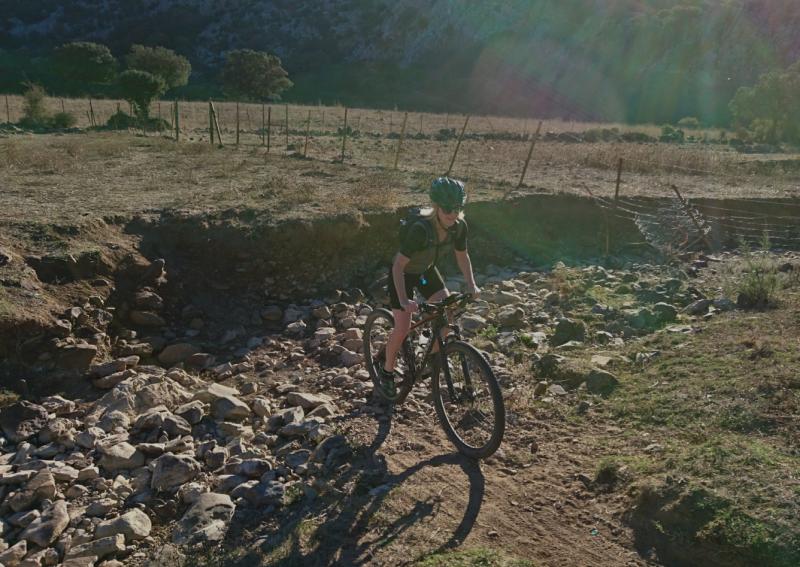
pixel 391 122
pixel 62 105
pixel 91 113
pixel 458 145
pixel 308 129
pixel 216 124
pixel 619 178
pixel 696 223
pixel 237 124
pixel 530 153
pixel 400 141
pixel 269 126
pixel 263 125
pixel 8 113
pixel 323 119
pixel 159 110
pixel 446 120
pixel 177 122
pixel 210 123
pixel 344 133
pixel 286 124
pixel 420 123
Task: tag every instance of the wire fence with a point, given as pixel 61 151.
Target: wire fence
pixel 674 222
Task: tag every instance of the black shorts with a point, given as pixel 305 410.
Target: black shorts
pixel 428 283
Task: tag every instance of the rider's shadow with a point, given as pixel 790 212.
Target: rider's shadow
pixel 354 527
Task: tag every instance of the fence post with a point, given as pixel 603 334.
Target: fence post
pixel 210 123
pixel 62 105
pixel 308 129
pixel 159 110
pixel 696 223
pixel 391 122
pixel 530 153
pixel 344 133
pixel 269 125
pixel 458 145
pixel 177 122
pixel 263 125
pixel 446 120
pixel 8 112
pixel 286 124
pixel 237 123
pixel 400 140
pixel 216 124
pixel 91 113
pixel 420 123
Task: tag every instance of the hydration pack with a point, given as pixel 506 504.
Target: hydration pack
pixel 413 216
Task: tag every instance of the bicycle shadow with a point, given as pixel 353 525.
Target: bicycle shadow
pixel 348 534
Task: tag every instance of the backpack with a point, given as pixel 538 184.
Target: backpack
pixel 414 215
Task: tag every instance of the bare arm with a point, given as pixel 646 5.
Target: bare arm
pixel 465 265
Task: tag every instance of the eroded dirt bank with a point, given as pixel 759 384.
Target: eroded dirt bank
pixel 212 390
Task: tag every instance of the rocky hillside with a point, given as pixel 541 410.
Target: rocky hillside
pixel 616 61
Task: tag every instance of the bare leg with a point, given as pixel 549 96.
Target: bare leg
pixel 402 323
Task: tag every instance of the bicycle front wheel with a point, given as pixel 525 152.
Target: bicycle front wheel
pixel 469 402
pixel 377 329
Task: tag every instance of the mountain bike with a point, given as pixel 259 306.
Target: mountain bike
pixel 466 394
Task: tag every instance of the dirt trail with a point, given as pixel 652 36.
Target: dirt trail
pixel 407 494
pixel 530 505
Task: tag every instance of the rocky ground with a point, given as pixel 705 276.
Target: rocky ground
pixel 173 447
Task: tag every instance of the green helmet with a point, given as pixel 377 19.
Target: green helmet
pixel 448 193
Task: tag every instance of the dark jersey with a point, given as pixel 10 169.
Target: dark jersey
pixel 422 253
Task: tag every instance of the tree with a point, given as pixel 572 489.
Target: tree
pixel 254 75
pixel 85 62
pixel 140 88
pixel 772 106
pixel 174 69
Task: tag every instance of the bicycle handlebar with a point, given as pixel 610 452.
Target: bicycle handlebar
pixel 445 303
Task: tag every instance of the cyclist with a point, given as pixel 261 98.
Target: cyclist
pixel 415 265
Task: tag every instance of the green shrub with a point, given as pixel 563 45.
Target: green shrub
pixel 689 122
pixel 121 121
pixel 671 135
pixel 34 112
pixel 63 120
pixel 758 280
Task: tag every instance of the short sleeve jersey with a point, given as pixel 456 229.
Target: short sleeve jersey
pixel 421 255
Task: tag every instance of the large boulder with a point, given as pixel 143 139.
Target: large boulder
pixel 45 529
pixel 134 525
pixel 119 456
pixel 175 353
pixel 77 358
pixel 568 330
pixel 206 521
pixel 22 420
pixel 171 471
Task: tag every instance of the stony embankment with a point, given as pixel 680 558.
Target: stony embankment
pixel 173 439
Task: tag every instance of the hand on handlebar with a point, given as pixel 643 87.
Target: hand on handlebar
pixel 409 306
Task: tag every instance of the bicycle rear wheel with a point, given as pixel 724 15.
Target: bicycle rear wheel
pixel 469 402
pixel 377 329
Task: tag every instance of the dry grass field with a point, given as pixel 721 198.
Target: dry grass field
pixel 47 176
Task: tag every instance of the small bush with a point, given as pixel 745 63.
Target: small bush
pixel 63 120
pixel 689 122
pixel 121 121
pixel 34 113
pixel 755 279
pixel 671 135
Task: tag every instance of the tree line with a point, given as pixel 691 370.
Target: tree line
pixel 151 72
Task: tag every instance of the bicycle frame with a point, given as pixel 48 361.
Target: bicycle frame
pixel 440 321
